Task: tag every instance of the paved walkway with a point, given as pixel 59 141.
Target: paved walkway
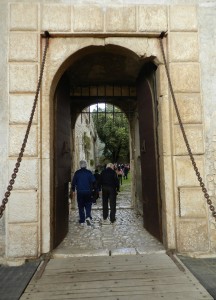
pixel 126 236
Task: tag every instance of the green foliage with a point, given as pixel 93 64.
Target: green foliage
pixel 113 131
pixel 126 184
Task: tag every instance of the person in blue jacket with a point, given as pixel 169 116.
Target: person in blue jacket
pixel 83 182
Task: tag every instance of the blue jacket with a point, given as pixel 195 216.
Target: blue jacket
pixel 83 181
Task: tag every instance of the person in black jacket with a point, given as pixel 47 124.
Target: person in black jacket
pixel 110 184
pixel 83 182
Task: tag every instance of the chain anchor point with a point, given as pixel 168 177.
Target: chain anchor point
pixel 47 34
pixel 163 34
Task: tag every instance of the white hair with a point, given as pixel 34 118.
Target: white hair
pixel 83 164
pixel 110 165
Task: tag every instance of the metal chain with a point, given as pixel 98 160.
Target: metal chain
pixel 208 200
pixel 19 159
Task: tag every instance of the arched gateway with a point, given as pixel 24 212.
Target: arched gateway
pixel 123 64
pixel 115 75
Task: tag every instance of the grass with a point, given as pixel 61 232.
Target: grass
pixel 126 183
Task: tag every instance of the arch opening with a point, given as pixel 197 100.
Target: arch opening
pixel 116 76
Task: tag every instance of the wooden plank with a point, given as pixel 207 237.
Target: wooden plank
pixel 71 277
pixel 107 264
pixel 85 264
pixel 108 269
pixel 150 258
pixel 195 295
pixel 114 285
pixel 114 276
pixel 134 277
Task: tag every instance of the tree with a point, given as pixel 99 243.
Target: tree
pixel 113 131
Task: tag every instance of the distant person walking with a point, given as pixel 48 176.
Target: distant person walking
pixel 110 185
pixel 126 171
pixel 120 175
pixel 83 182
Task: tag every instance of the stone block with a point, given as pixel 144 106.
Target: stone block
pixel 152 18
pixel 163 87
pixel 88 18
pixel 24 16
pixel 168 201
pixel 16 136
pixel 211 186
pixel 192 203
pixel 60 50
pixel 213 240
pixel 164 126
pixel 149 250
pixel 21 107
pixel 65 253
pixel 185 174
pixel 143 47
pixel 56 17
pixel 193 236
pixel 139 46
pixel 121 19
pixel 23 207
pixel 22 240
pixel 47 192
pixel 154 50
pixel 185 77
pixel 183 18
pixel 189 106
pixel 45 130
pixel 183 47
pixel 23 78
pixel 27 177
pixel 23 46
pixel 194 134
pixel 123 251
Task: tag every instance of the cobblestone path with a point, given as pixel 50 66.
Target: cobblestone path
pixel 127 233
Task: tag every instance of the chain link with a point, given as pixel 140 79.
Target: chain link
pixel 204 190
pixel 19 159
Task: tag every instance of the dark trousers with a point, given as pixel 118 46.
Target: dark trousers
pixel 120 179
pixel 109 198
pixel 84 201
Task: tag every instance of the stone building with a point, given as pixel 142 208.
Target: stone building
pixel 109 50
pixel 86 146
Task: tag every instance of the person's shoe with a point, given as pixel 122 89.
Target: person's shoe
pixel 88 221
pixel 105 222
pixel 82 224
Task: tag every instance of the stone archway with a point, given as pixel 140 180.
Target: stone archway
pixel 84 66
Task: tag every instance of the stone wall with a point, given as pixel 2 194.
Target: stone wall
pixel 190 49
pixel 207 34
pixel 85 127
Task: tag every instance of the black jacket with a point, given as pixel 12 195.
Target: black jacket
pixel 109 178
